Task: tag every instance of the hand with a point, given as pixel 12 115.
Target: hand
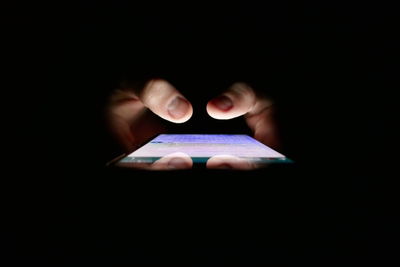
pixel 128 111
pixel 240 99
pixel 132 123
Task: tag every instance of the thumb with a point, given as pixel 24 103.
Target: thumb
pixel 238 100
pixel 164 100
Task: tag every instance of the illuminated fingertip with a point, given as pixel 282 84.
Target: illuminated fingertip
pixel 178 108
pixel 186 115
pixel 222 102
pixel 218 114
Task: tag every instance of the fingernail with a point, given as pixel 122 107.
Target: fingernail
pixel 178 107
pixel 223 102
pixel 177 163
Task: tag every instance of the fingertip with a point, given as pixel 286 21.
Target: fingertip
pixel 164 100
pixel 214 112
pixel 179 110
pixel 221 108
pixel 234 102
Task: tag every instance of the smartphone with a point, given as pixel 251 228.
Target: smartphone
pixel 214 151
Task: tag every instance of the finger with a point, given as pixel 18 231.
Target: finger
pixel 229 162
pixel 173 161
pixel 238 100
pixel 164 100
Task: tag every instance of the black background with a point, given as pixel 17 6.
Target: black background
pixel 331 68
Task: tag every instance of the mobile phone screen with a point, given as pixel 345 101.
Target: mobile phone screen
pixel 204 148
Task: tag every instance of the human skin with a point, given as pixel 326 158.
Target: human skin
pixel 131 111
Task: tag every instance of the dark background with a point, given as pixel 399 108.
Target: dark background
pixel 332 69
